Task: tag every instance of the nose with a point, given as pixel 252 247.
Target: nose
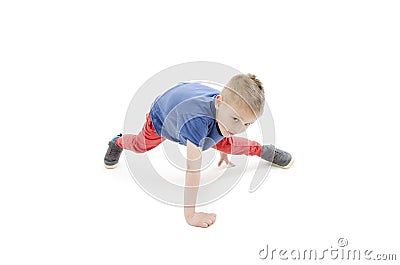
pixel 238 128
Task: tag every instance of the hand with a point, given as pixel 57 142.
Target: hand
pixel 224 158
pixel 201 219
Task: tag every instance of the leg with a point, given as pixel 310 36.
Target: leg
pixel 241 146
pixel 146 140
pixel 236 145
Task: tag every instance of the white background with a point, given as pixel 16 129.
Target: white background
pixel 69 69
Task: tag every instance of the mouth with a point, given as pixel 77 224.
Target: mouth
pixel 229 133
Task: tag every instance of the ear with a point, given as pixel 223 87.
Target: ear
pixel 218 100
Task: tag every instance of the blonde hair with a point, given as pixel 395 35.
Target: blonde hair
pixel 245 89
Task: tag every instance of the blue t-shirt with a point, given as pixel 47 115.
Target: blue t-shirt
pixel 187 112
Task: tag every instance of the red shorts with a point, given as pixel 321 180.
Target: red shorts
pixel 148 138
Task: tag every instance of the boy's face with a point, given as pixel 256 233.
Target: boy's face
pixel 233 118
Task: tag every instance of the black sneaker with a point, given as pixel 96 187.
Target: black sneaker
pixel 276 157
pixel 113 153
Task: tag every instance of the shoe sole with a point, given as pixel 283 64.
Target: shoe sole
pixel 110 167
pixel 287 166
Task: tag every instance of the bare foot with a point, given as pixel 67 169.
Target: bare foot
pixel 201 219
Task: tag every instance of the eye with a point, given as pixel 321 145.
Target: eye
pixel 247 124
pixel 235 119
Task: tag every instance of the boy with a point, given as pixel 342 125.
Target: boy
pixel 200 117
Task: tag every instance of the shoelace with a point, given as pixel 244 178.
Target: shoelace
pixel 114 151
pixel 278 154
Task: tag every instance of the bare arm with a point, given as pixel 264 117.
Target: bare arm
pixel 192 181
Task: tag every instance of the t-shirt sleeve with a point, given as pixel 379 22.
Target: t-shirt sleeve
pixel 194 130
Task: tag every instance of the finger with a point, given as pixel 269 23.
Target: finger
pixel 210 218
pixel 204 225
pixel 205 218
pixel 210 221
pixel 213 217
pixel 229 163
